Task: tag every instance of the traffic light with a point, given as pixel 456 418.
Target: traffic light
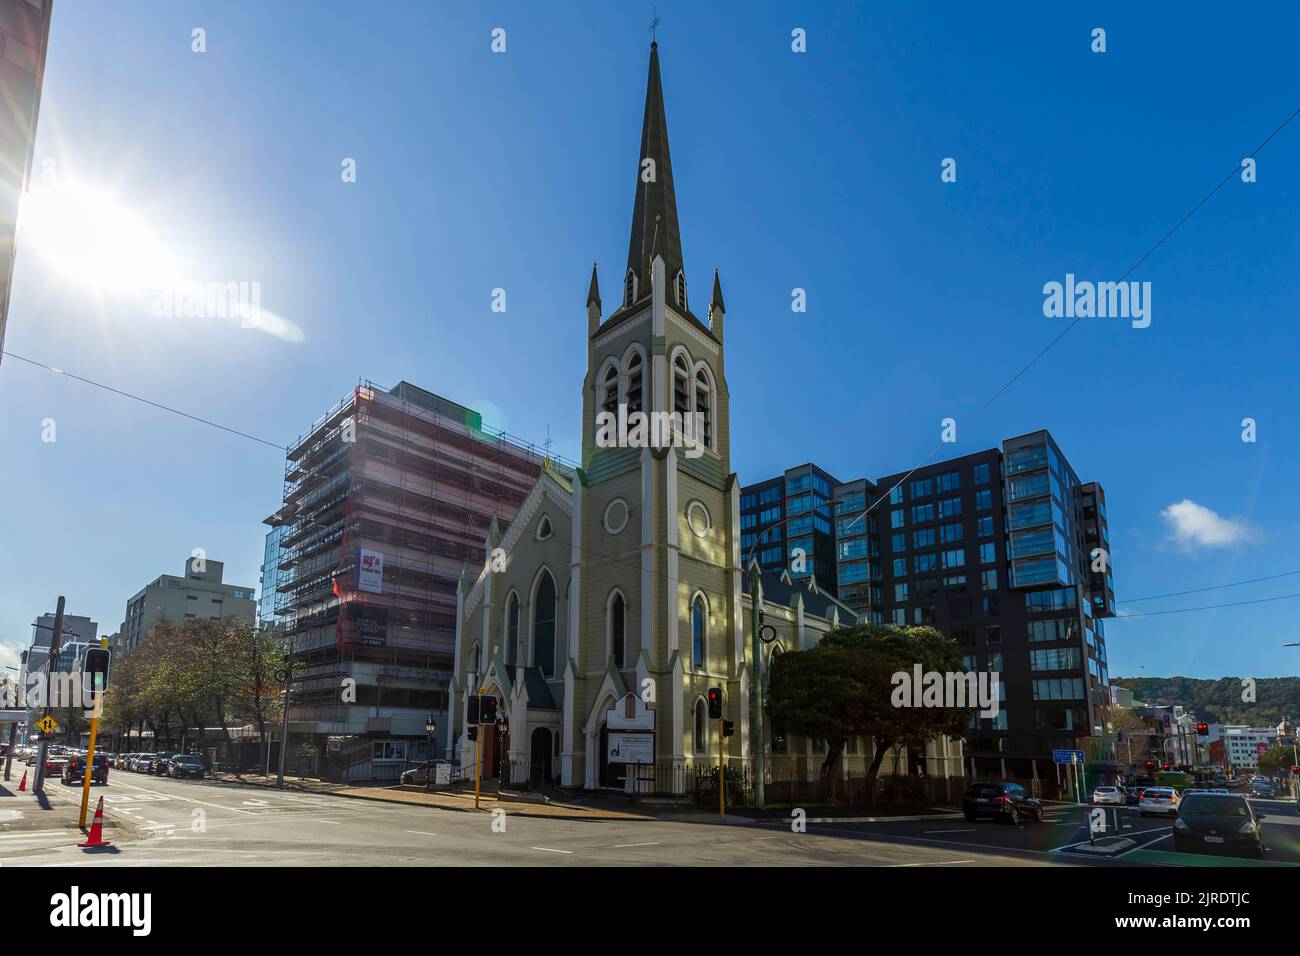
pixel 1202 730
pixel 472 732
pixel 471 710
pixel 728 728
pixel 487 711
pixel 94 672
pixel 715 703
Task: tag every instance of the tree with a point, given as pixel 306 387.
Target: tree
pixel 844 687
pixel 1274 761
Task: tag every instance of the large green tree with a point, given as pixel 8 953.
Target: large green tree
pixel 843 687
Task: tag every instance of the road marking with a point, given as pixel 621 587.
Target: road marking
pixel 422 832
pixel 335 822
pixel 547 849
pixel 204 803
pixel 33 833
pixel 893 866
pixel 949 831
pixel 620 846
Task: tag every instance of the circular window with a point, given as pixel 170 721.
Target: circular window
pixel 697 516
pixel 616 516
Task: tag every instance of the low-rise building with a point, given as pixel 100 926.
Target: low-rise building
pixel 198 593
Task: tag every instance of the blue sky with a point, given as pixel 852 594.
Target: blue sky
pixel 818 170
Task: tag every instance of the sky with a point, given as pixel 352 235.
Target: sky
pixel 818 170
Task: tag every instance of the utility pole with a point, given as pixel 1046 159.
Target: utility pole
pixel 43 749
pixel 284 720
pixel 22 697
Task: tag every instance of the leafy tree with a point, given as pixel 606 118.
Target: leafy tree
pixel 844 686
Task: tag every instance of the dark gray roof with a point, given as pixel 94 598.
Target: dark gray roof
pixel 539 693
pixel 777 591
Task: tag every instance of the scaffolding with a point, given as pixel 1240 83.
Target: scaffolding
pixel 409 482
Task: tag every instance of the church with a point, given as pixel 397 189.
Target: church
pixel 617 597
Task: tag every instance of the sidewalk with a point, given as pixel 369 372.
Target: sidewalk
pixel 459 799
pixel 30 821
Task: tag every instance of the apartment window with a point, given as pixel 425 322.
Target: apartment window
pixel 950 533
pixel 896 495
pixel 900 567
pixel 991 607
pixel 923 539
pixel 900 591
pixel 1056 599
pixel 955 558
pixel 984 526
pixel 896 518
pixel 988 553
pixel 983 499
pixel 950 481
pixel 900 616
pixel 921 513
pixel 924 562
pixel 191 597
pixel 922 488
pixel 949 507
pixel 989 579
pixel 853 548
pixel 954 583
pixel 216 601
pixel 898 541
pixel 993 634
pixel 1054 659
pixel 982 474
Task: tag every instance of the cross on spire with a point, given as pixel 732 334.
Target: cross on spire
pixel 654 22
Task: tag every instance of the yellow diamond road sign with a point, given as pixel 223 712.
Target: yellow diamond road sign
pixel 47 724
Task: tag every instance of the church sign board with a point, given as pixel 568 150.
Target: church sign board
pixel 631 726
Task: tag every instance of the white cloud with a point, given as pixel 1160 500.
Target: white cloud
pixel 1194 526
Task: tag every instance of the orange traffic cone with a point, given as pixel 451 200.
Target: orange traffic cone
pixel 96 828
pixel 22 786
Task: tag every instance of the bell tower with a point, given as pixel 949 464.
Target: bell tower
pixel 655 576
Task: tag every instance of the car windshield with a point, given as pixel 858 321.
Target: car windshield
pixel 1107 790
pixel 1212 806
pixel 1157 792
pixel 985 790
pixel 192 760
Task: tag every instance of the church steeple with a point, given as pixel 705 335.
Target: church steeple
pixel 654 212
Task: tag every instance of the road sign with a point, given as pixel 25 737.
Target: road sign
pixel 47 724
pixel 1067 756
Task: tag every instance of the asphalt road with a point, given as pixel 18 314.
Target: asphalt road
pixel 200 823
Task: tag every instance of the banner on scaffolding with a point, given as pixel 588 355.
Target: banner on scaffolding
pixel 370 571
pixel 371 624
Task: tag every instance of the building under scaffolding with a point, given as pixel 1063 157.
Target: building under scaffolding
pixel 386 499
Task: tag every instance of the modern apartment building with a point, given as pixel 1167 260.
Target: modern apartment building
pixel 1001 550
pixel 198 593
pixel 804 545
pixel 78 634
pixel 388 500
pixel 1241 745
pixel 270 574
pixel 24 35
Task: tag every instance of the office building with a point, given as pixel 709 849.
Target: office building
pixel 270 574
pixel 388 498
pixel 24 35
pixel 198 593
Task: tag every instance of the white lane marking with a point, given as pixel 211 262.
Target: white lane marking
pixel 1143 846
pixel 335 822
pixel 547 849
pixel 893 866
pixel 422 832
pixel 34 833
pixel 619 846
pixel 204 803
pixel 972 830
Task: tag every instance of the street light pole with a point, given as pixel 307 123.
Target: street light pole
pixel 429 727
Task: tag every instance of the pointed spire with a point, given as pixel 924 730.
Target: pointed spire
pixel 593 293
pixel 715 304
pixel 654 211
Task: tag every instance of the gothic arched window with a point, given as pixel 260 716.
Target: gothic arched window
pixel 704 407
pixel 618 629
pixel 701 739
pixel 629 288
pixel 679 289
pixel 681 385
pixel 635 368
pixel 544 626
pixel 699 627
pixel 512 629
pixel 609 390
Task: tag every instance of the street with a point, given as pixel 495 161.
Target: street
pixel 193 823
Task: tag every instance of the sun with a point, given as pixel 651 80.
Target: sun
pixel 85 235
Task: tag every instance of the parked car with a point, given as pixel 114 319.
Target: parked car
pixel 419 773
pixel 158 767
pixel 1107 795
pixel 54 763
pixel 1218 823
pixel 119 761
pixel 1162 800
pixel 142 763
pixel 1002 800
pixel 185 765
pixel 75 768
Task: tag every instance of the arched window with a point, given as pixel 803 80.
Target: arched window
pixel 544 626
pixel 512 629
pixel 629 288
pixel 701 737
pixel 609 390
pixel 477 661
pixel 704 406
pixel 635 367
pixel 679 289
pixel 617 628
pixel 544 529
pixel 699 623
pixel 681 386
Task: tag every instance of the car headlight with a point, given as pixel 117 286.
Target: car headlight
pixel 1181 824
pixel 1247 827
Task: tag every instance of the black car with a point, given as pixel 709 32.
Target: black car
pixel 1001 800
pixel 158 768
pixel 1132 794
pixel 185 765
pixel 1218 823
pixel 74 770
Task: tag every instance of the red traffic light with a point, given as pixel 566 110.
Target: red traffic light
pixel 715 703
pixel 1202 730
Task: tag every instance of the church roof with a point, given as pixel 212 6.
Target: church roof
pixel 779 589
pixel 654 211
